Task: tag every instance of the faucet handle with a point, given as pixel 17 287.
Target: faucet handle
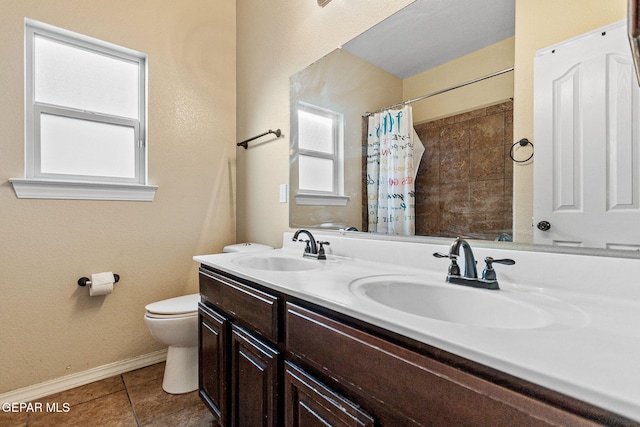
pixel 505 261
pixel 321 253
pixel 307 248
pixel 489 273
pixel 454 268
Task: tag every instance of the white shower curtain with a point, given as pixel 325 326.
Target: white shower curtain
pixel 393 155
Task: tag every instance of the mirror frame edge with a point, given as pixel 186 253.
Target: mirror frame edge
pixel 487 244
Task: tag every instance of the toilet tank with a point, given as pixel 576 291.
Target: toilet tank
pixel 246 247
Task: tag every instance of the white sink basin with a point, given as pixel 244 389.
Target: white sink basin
pixel 467 306
pixel 277 262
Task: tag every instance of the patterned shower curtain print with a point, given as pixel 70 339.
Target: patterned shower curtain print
pixel 391 165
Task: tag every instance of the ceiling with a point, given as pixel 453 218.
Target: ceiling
pixel 443 29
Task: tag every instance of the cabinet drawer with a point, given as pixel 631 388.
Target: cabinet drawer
pixel 246 305
pixel 311 403
pixel 426 391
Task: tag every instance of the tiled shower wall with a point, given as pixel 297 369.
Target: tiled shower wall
pixel 464 185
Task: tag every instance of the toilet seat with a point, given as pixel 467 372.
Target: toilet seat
pixel 171 316
pixel 172 308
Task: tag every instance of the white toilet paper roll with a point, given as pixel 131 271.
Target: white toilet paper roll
pixel 101 284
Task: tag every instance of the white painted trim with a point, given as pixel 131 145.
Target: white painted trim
pixel 34 110
pixel 37 391
pixel 26 188
pixel 321 200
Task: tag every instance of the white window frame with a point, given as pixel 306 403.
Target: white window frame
pixel 336 196
pixel 37 184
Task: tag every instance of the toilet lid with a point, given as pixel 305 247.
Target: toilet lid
pixel 179 305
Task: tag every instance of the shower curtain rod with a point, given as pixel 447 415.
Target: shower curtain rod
pixel 420 98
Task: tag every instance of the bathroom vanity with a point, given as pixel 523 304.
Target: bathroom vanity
pixel 290 341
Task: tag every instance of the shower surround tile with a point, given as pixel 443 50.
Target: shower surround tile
pixel 464 185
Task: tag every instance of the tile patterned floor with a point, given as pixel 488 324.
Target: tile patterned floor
pixel 133 399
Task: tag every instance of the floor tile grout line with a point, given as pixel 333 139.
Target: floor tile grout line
pixel 31 416
pixel 133 409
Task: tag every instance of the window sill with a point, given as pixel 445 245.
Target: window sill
pixel 26 188
pixel 321 200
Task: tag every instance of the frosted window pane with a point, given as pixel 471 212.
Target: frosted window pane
pixel 315 132
pixel 315 174
pixel 77 78
pixel 81 147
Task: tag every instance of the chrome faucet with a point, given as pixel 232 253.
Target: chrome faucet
pixel 470 271
pixel 311 250
pixel 470 277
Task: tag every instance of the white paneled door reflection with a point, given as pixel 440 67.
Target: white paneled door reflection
pixel 586 162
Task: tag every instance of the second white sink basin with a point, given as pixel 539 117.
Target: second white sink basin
pixel 468 306
pixel 277 262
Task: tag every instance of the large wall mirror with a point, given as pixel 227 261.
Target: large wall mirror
pixel 464 184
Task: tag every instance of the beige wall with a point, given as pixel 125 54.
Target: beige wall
pixel 50 327
pixel 541 23
pixel 497 57
pixel 276 39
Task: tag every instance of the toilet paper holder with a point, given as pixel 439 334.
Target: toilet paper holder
pixel 84 281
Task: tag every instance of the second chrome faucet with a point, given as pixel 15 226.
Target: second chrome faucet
pixel 314 249
pixel 470 277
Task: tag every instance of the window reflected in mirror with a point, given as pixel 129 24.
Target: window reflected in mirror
pixel 319 143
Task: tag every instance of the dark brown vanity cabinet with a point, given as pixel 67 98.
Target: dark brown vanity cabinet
pixel 403 387
pixel 239 362
pixel 268 359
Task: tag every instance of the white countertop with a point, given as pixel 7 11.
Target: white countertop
pixel 594 357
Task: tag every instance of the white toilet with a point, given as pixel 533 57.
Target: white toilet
pixel 174 322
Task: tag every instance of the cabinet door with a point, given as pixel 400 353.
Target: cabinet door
pixel 212 361
pixel 309 403
pixel 254 385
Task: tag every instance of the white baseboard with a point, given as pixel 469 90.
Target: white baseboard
pixel 36 391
